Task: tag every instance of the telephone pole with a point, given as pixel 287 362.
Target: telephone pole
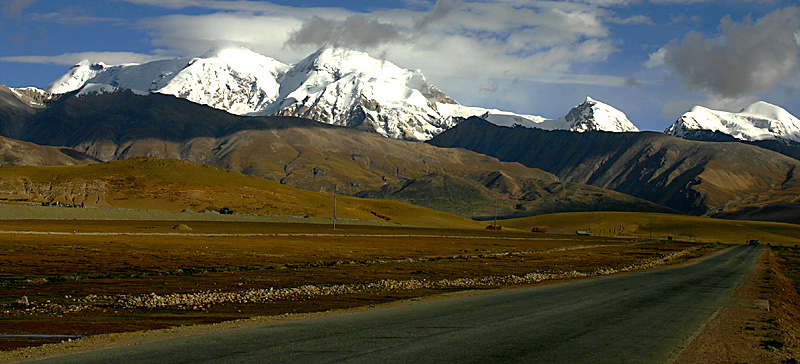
pixel 335 187
pixel 495 211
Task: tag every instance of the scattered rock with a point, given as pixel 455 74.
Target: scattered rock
pixel 181 227
pixel 22 301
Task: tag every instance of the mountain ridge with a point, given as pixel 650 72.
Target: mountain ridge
pixel 298 152
pixel 700 178
pixel 332 85
pixel 756 122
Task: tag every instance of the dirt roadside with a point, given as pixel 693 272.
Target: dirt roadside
pixel 758 328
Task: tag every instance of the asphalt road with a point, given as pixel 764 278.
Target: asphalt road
pixel 633 318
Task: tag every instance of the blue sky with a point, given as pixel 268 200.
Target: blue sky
pixel 652 59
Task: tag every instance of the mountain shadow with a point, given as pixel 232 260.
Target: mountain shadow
pixel 698 178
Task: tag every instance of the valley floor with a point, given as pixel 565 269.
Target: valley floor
pixel 84 278
pixel 123 282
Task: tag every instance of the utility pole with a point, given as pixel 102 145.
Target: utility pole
pixel 495 211
pixel 335 187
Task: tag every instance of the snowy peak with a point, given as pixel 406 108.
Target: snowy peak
pixel 75 78
pixel 243 60
pixel 595 115
pixel 30 96
pixel 96 89
pixel 758 121
pixel 769 111
pixel 591 115
pixel 350 88
pixel 332 85
pixel 237 80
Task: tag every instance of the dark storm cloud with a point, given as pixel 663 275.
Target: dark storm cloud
pixel 749 57
pixel 355 32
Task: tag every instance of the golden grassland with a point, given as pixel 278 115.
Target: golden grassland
pixel 82 271
pixel 172 185
pixel 662 226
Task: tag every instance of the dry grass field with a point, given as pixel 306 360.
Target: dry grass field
pixel 663 226
pixel 86 277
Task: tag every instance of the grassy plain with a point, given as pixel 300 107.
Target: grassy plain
pixel 86 277
pixel 663 226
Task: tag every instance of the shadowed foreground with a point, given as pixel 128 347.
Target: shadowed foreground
pixel 632 318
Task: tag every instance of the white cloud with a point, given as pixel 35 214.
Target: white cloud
pixel 355 32
pixel 192 35
pixel 656 58
pixel 749 56
pixel 509 39
pixel 732 104
pixel 674 109
pixel 636 19
pixel 70 59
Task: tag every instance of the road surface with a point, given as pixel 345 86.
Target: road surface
pixel 640 317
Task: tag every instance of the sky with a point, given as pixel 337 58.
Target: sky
pixel 651 59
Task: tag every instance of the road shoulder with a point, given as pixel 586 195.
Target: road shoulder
pixel 757 328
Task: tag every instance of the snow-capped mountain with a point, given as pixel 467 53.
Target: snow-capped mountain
pixel 236 80
pixel 589 115
pixel 345 87
pixel 759 121
pixel 595 115
pixel 332 85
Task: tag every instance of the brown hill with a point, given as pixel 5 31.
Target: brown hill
pixel 18 153
pixel 174 185
pixel 308 155
pixel 496 193
pixel 689 176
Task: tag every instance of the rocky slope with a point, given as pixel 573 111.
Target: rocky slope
pixel 176 185
pixel 691 177
pixel 298 152
pixel 18 153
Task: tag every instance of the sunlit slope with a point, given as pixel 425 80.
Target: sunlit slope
pixel 662 226
pixel 164 184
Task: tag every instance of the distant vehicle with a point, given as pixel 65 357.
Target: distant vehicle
pixel 753 242
pixel 583 232
pixel 494 227
pixel 539 230
pixel 225 211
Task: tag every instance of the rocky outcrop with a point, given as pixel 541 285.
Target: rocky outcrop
pixel 70 192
